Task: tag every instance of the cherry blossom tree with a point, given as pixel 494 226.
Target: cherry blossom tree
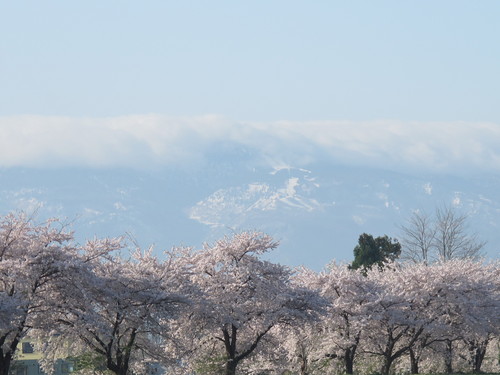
pixel 297 348
pixel 401 311
pixel 32 258
pixel 406 310
pixel 416 306
pixel 348 295
pixel 467 306
pixel 119 308
pixel 245 297
pixel 226 308
pixel 293 349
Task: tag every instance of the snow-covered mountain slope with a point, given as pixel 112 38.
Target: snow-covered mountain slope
pixel 234 205
pixel 317 213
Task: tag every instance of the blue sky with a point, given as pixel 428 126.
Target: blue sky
pixel 408 86
pixel 252 60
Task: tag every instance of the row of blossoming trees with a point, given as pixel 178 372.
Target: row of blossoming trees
pixel 225 309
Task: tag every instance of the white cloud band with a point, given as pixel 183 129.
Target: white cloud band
pixel 142 140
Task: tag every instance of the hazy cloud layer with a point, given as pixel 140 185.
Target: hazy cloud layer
pixel 153 140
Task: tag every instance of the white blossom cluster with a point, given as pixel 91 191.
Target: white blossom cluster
pixel 225 309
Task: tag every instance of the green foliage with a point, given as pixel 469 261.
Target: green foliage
pixel 370 251
pixel 90 363
pixel 210 365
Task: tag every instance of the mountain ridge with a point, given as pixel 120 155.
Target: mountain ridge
pixel 317 211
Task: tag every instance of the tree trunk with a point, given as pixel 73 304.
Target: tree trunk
pixel 386 366
pixel 7 355
pixel 231 367
pixel 230 344
pixel 349 360
pixel 478 360
pixel 118 370
pixel 116 367
pixel 477 351
pixel 448 357
pixel 5 365
pixel 349 366
pixel 304 366
pixel 413 362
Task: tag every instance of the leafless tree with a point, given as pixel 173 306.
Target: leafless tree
pixel 444 236
pixel 418 237
pixel 452 240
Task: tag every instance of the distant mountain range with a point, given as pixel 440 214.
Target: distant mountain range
pixel 317 212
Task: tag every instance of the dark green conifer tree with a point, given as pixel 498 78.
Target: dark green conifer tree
pixel 370 251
